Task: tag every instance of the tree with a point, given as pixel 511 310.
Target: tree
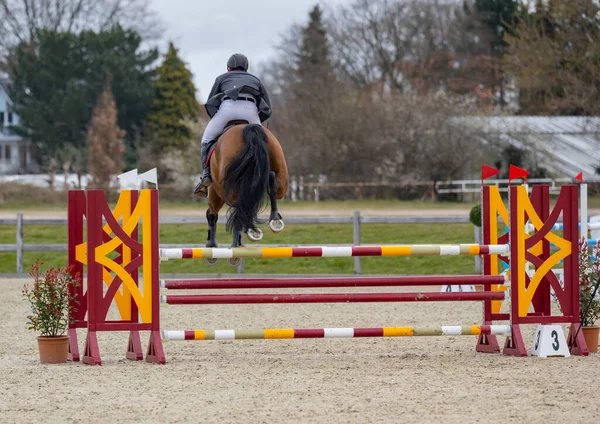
pixel 524 157
pixel 432 144
pixel 56 84
pixel 392 47
pixel 499 16
pixel 174 101
pixel 49 95
pixel 311 96
pixel 499 20
pixel 105 140
pixel 132 68
pixel 555 58
pixel 313 69
pixel 348 105
pixel 370 41
pixel 22 20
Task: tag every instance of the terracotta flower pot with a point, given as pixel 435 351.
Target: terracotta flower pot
pixel 53 350
pixel 590 334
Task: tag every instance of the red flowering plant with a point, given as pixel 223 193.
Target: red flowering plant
pixel 51 298
pixel 589 273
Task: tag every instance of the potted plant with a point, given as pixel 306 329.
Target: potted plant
pixel 51 297
pixel 589 295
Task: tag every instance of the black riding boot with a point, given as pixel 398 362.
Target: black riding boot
pixel 201 189
pixel 206 178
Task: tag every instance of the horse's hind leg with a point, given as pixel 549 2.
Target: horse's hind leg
pixel 237 242
pixel 254 235
pixel 211 241
pixel 212 216
pixel 275 220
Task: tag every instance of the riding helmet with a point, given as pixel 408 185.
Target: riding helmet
pixel 238 60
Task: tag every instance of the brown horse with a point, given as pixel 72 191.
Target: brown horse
pixel 247 166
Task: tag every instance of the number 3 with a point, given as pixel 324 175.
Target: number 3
pixel 554 335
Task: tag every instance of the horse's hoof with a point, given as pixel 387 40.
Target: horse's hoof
pixel 212 261
pixel 201 194
pixel 276 225
pixel 234 262
pixel 255 235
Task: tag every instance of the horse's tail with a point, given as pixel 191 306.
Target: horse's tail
pixel 247 180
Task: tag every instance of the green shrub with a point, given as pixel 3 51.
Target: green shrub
pixel 475 215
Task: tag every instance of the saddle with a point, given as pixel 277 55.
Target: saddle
pixel 212 144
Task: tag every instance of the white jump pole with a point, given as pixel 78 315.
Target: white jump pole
pixel 583 195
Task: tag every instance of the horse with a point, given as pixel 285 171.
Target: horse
pixel 247 166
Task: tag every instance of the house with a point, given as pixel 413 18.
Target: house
pixel 15 155
pixel 564 145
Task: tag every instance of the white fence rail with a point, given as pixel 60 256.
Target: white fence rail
pixel 356 220
pixel 302 189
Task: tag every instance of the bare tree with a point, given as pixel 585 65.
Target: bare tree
pixel 555 58
pixel 280 72
pixel 390 46
pixel 385 42
pixel 21 19
pixel 105 140
pixel 374 125
pixel 434 147
pixel 337 139
pixel 371 39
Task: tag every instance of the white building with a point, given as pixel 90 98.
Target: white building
pixel 14 151
pixel 564 145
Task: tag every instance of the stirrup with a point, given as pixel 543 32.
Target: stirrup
pixel 201 190
pixel 206 180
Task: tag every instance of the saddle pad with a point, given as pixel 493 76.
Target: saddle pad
pixel 214 142
pixel 211 150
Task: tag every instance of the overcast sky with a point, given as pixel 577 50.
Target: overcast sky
pixel 207 32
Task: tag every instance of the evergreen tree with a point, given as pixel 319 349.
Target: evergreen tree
pixel 105 140
pixel 56 84
pixel 314 51
pixel 317 96
pixel 174 102
pixel 314 72
pixel 499 16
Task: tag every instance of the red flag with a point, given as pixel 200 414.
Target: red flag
pixel 488 171
pixel 516 172
pixel 579 177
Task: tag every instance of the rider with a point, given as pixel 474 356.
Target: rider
pixel 235 95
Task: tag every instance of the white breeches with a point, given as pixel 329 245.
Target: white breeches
pixel 228 111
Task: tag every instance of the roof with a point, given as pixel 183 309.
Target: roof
pixel 564 145
pixel 4 84
pixel 5 134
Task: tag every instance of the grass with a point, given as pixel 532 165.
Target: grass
pixel 169 207
pixel 293 234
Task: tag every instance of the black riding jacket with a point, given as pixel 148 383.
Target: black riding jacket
pixel 231 84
